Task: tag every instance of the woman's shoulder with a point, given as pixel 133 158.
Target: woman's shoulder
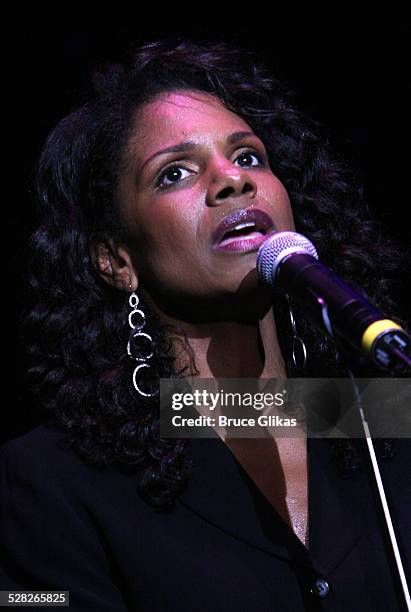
pixel 41 448
pixel 41 440
pixel 53 509
pixel 43 459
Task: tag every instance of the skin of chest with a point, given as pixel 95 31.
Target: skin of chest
pixel 279 469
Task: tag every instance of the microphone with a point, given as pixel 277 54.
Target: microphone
pixel 288 262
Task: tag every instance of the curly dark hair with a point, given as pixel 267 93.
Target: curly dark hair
pixel 75 328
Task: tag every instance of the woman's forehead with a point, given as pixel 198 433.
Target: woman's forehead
pixel 181 114
pixel 177 102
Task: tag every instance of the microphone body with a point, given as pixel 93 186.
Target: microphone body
pixel 288 262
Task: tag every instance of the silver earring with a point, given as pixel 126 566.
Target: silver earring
pixel 298 342
pixel 136 332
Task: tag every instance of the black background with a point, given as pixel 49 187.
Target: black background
pixel 351 73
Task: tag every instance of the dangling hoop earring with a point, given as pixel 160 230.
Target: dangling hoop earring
pixel 136 332
pixel 298 342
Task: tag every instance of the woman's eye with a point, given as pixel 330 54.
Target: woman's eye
pixel 171 175
pixel 174 174
pixel 246 159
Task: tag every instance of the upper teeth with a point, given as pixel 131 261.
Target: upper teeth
pixel 242 225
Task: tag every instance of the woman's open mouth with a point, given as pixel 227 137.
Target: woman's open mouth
pixel 242 231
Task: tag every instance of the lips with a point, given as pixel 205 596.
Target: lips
pixel 243 230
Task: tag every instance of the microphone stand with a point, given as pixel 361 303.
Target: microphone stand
pixel 375 467
pixel 383 499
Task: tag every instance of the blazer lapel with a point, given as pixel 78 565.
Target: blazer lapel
pixel 221 493
pixel 337 509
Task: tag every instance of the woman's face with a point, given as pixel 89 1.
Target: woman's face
pixel 198 197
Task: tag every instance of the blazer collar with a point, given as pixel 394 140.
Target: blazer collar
pixel 221 493
pixel 338 508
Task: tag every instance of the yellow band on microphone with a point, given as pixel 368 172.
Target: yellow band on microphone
pixel 374 330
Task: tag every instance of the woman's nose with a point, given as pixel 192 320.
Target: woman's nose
pixel 230 182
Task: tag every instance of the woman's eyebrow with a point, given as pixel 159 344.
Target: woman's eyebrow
pixel 189 145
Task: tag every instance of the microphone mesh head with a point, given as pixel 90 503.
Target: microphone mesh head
pixel 275 248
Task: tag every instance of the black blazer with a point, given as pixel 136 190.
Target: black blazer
pixel 66 525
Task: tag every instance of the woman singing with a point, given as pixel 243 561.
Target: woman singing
pixel 155 195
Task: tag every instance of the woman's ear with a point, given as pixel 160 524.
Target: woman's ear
pixel 113 263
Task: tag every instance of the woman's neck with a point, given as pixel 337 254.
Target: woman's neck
pixel 228 349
